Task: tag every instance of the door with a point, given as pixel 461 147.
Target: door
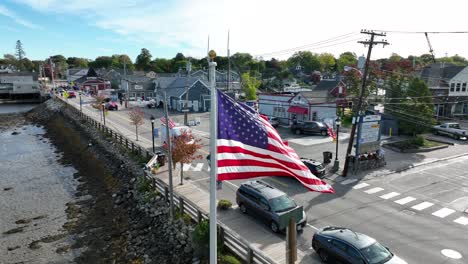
pixel 340 252
pixel 195 106
pixel 264 209
pixel 310 127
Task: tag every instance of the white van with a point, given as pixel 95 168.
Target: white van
pixel 174 132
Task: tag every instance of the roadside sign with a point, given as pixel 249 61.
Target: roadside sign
pixel 185 110
pixel 156 133
pixel 368 139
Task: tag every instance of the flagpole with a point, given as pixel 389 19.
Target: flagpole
pixel 213 156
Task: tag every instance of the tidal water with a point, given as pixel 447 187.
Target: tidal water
pixel 34 190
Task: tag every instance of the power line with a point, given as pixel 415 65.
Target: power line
pixel 423 32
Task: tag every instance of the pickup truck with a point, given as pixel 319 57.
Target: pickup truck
pixel 451 129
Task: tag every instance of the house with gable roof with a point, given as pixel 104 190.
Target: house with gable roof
pixel 198 93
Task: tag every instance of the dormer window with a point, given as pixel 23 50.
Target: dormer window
pixel 458 87
pixel 464 87
pixel 452 87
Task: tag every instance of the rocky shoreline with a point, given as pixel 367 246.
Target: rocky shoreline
pixel 110 221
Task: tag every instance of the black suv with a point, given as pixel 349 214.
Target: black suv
pixel 342 245
pixel 315 167
pixel 310 127
pixel 269 204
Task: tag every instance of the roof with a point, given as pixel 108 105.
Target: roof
pixel 177 87
pixel 439 74
pixel 327 85
pixel 267 190
pixel 138 78
pixel 356 239
pixel 164 82
pixel 34 75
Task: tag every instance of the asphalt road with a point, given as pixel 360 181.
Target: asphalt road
pixel 417 213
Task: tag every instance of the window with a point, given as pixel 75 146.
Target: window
pixel 452 87
pixel 464 87
pixel 458 87
pixel 340 245
pixel 279 111
pixel 354 254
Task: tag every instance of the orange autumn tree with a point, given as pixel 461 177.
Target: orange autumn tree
pixel 136 118
pixel 184 149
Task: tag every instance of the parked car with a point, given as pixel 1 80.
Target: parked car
pixel 451 129
pixel 131 98
pixel 342 245
pixel 112 106
pixel 274 121
pixel 310 127
pixel 71 95
pixel 269 204
pixel 315 167
pixel 151 104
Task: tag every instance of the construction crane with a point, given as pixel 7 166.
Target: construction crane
pixel 430 47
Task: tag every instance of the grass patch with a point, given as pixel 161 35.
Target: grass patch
pixel 418 142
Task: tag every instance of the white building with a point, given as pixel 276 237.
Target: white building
pixel 18 83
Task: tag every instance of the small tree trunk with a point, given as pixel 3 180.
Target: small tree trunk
pixel 181 173
pixel 136 132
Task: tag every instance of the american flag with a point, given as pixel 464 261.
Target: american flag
pixel 171 123
pixel 248 146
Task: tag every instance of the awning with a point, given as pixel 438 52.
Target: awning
pixel 298 110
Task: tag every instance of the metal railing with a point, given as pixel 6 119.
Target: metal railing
pixel 235 243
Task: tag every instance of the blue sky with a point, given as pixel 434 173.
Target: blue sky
pixel 89 28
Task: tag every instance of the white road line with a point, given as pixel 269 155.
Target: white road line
pixel 202 179
pixel 442 213
pixel 389 195
pixel 345 182
pixel 199 167
pixel 313 227
pixel 374 190
pixel 461 220
pixel 361 185
pixel 422 206
pixel 187 167
pixel 405 200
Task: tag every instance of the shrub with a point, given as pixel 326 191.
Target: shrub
pixel 418 141
pixel 143 184
pixel 224 204
pixel 185 217
pixel 228 259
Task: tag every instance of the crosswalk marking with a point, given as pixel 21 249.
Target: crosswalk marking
pixel 389 195
pixel 422 206
pixel 199 167
pixel 345 182
pixel 462 220
pixel 187 167
pixel 442 213
pixel 405 200
pixel 374 190
pixel 361 185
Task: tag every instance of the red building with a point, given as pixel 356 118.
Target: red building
pixel 92 83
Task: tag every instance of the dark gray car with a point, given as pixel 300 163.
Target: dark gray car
pixel 310 127
pixel 269 204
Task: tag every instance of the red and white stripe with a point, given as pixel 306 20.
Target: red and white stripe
pixel 239 161
pixel 171 123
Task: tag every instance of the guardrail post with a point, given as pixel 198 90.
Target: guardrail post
pixel 126 143
pixel 221 236
pixel 154 183
pixel 133 147
pixel 166 194
pixel 147 155
pixel 181 205
pixel 111 133
pixel 250 255
pixel 199 216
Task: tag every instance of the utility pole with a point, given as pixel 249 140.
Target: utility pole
pixel 126 84
pixel 189 68
pixel 371 44
pixel 169 159
pixel 52 72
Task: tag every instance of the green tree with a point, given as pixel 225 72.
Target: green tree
pixel 327 62
pixel 101 62
pixel 20 54
pixel 411 104
pixel 240 62
pixel 118 62
pixel 61 65
pixel 161 65
pixel 143 60
pixel 346 59
pixel 306 59
pixel 250 86
pixel 75 62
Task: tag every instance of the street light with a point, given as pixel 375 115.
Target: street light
pixel 103 113
pixel 152 130
pixel 336 164
pixel 81 110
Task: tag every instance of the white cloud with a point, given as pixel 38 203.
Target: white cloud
pixel 263 26
pixel 8 13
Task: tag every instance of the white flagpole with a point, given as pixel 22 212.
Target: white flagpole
pixel 213 157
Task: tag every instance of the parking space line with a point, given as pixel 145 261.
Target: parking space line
pixel 389 195
pixel 405 200
pixel 442 213
pixel 199 167
pixel 278 182
pixel 422 206
pixel 349 181
pixel 462 220
pixel 361 185
pixel 313 227
pixel 374 190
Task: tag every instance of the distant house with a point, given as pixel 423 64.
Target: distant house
pixel 76 73
pixel 139 86
pixel 198 92
pixel 221 79
pixel 448 84
pixel 92 83
pixel 318 104
pixel 18 84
